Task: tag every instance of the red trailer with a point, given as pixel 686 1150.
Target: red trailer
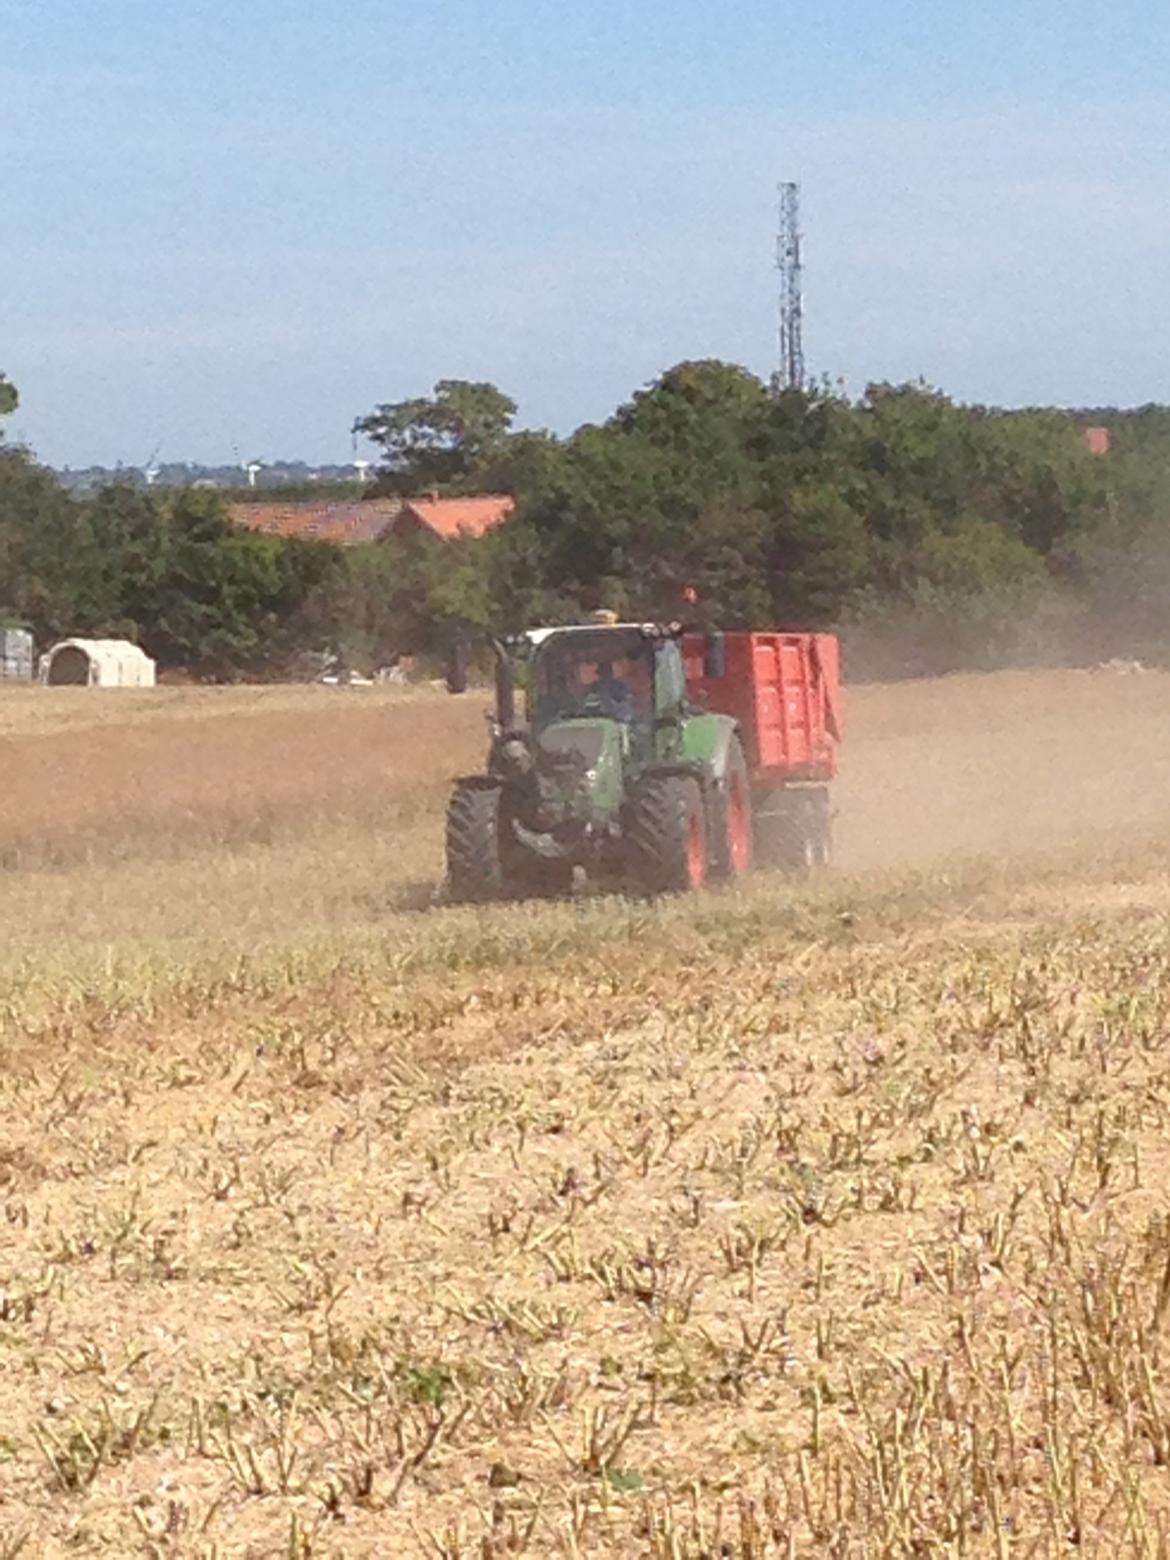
pixel 784 690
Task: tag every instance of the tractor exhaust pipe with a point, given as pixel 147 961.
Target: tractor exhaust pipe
pixel 505 687
pixel 456 675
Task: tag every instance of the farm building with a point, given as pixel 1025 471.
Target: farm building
pixel 353 522
pixel 349 522
pixel 452 518
pixel 98 663
pixel 16 655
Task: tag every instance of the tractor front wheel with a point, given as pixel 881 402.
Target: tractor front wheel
pixel 666 835
pixel 485 861
pixel 474 869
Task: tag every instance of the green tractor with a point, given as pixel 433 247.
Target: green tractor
pixel 611 770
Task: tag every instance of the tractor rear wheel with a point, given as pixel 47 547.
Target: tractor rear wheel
pixel 666 835
pixel 474 868
pixel 733 818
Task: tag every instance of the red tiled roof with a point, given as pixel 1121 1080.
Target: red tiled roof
pixel 453 517
pixel 343 520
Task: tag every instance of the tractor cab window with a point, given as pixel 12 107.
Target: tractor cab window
pixel 579 674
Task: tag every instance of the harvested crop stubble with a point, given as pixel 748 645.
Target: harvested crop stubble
pixel 852 1249
pixel 820 1221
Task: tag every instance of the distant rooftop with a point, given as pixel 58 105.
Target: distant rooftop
pixel 453 517
pixel 351 522
pixel 348 522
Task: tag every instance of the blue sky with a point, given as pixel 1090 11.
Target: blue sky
pixel 235 226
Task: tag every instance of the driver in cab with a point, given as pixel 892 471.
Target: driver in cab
pixel 609 693
pixel 616 696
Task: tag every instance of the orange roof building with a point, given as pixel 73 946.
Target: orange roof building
pixel 346 521
pixel 451 518
pixel 350 523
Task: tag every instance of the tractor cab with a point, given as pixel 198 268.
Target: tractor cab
pixel 628 673
pixel 604 702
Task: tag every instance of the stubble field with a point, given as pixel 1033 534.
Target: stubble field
pixel 820 1220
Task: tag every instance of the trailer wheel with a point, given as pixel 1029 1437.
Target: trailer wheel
pixel 821 827
pixel 734 829
pixel 810 839
pixel 793 831
pixel 666 835
pixel 474 868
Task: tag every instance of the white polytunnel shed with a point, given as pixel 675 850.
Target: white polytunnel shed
pixel 98 663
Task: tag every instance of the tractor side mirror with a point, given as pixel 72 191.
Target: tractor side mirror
pixel 456 673
pixel 715 657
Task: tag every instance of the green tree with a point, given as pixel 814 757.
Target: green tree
pixel 374 605
pixel 9 400
pixel 663 494
pixel 220 595
pixel 936 535
pixel 45 559
pixel 439 440
pixel 521 464
pixel 127 534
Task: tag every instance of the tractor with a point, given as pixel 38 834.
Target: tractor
pixel 643 758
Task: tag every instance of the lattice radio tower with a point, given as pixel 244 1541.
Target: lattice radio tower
pixel 791 373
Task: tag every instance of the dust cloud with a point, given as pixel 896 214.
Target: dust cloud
pixel 1005 765
pixel 1002 765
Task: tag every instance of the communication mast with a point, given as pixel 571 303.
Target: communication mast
pixel 791 373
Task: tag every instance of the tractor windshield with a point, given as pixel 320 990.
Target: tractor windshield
pixel 578 674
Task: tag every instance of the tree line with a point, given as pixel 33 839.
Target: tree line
pixel 933 535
